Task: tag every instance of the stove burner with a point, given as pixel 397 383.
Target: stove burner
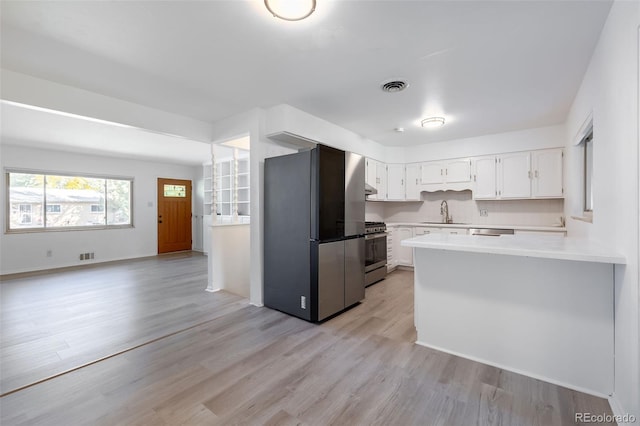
pixel 374 227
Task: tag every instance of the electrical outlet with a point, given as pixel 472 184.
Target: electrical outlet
pixel 484 213
pixel 86 256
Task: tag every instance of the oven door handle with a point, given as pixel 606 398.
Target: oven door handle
pixel 374 236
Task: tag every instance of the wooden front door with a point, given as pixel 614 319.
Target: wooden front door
pixel 174 215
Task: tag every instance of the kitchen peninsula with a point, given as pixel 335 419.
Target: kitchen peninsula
pixel 542 306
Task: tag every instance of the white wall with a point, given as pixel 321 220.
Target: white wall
pixel 198 209
pixel 463 209
pixel 27 251
pixel 287 118
pixel 609 90
pixel 522 140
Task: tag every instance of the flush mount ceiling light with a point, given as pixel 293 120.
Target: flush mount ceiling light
pixel 432 122
pixel 290 10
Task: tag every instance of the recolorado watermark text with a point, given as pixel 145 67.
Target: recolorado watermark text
pixel 604 418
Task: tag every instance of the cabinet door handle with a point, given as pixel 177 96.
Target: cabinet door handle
pixel 441 172
pixel 427 232
pixel 529 174
pixel 474 178
pixel 536 174
pixel 446 172
pixel 416 181
pixel 401 182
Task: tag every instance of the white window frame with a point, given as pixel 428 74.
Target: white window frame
pixel 587 179
pixel 44 227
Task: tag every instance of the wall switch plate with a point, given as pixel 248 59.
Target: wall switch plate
pixel 484 213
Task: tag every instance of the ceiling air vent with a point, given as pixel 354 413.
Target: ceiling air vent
pixel 394 86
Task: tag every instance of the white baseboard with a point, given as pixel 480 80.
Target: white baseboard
pixel 619 411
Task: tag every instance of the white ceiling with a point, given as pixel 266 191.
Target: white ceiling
pixel 487 66
pixel 63 132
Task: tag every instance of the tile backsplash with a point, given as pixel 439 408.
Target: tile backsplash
pixel 463 209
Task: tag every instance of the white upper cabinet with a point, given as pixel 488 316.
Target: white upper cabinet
pixel 546 166
pixel 510 176
pixel 484 178
pixel 432 172
pixel 376 176
pixel 457 171
pixel 446 172
pixel 381 179
pixel 519 175
pixel 412 187
pixel 514 175
pixel 395 182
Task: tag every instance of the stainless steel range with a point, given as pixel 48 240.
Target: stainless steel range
pixel 375 252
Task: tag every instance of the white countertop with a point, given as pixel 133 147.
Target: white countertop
pixel 543 246
pixel 479 225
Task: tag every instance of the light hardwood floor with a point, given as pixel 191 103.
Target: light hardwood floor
pixel 54 322
pixel 251 365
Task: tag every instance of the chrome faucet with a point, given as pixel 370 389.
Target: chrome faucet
pixel 444 211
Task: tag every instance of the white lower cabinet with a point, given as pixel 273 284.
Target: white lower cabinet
pixel 392 262
pixel 423 230
pixel 454 231
pixel 403 255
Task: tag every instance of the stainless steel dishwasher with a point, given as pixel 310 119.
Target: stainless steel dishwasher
pixel 490 232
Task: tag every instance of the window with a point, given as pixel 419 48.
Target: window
pixel 175 191
pixel 587 148
pixel 39 201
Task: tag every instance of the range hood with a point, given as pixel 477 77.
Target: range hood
pixel 369 190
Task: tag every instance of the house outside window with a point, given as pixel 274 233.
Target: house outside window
pixel 25 214
pixel 41 201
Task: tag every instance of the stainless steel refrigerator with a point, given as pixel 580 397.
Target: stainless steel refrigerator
pixel 314 255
